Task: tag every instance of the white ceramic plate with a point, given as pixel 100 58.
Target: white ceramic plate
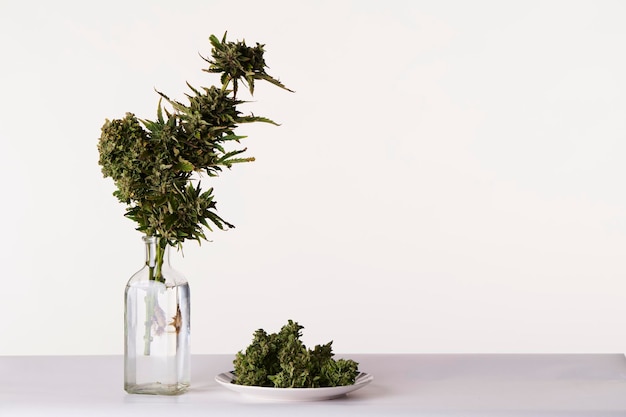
pixel 293 394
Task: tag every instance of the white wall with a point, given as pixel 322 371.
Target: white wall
pixel 448 177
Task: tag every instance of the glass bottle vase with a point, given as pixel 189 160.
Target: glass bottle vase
pixel 156 326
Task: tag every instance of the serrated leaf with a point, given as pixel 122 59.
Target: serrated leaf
pixel 233 161
pixel 253 119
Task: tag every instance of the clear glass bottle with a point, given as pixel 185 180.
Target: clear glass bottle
pixel 156 326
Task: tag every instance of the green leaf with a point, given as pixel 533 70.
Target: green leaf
pixel 229 155
pixel 274 81
pixel 233 137
pixel 252 119
pixel 216 43
pixel 184 165
pixel 232 161
pixel 160 113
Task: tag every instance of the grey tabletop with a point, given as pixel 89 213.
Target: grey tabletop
pixel 404 385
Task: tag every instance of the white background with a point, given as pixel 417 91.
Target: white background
pixel 448 176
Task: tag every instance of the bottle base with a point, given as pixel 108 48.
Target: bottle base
pixel 156 388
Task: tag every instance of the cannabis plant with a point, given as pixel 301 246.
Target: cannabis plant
pixel 157 164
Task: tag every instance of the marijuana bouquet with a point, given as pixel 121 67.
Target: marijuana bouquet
pixel 157 164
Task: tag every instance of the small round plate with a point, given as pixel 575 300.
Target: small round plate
pixel 293 394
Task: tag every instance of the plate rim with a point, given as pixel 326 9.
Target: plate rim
pixel 292 394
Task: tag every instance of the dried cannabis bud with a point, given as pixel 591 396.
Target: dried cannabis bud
pixel 281 360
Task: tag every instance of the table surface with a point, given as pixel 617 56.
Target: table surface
pixel 404 385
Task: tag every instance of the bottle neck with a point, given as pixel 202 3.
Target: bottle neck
pixel 157 255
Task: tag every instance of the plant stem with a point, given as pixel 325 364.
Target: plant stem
pixel 150 296
pixel 160 253
pixel 155 274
